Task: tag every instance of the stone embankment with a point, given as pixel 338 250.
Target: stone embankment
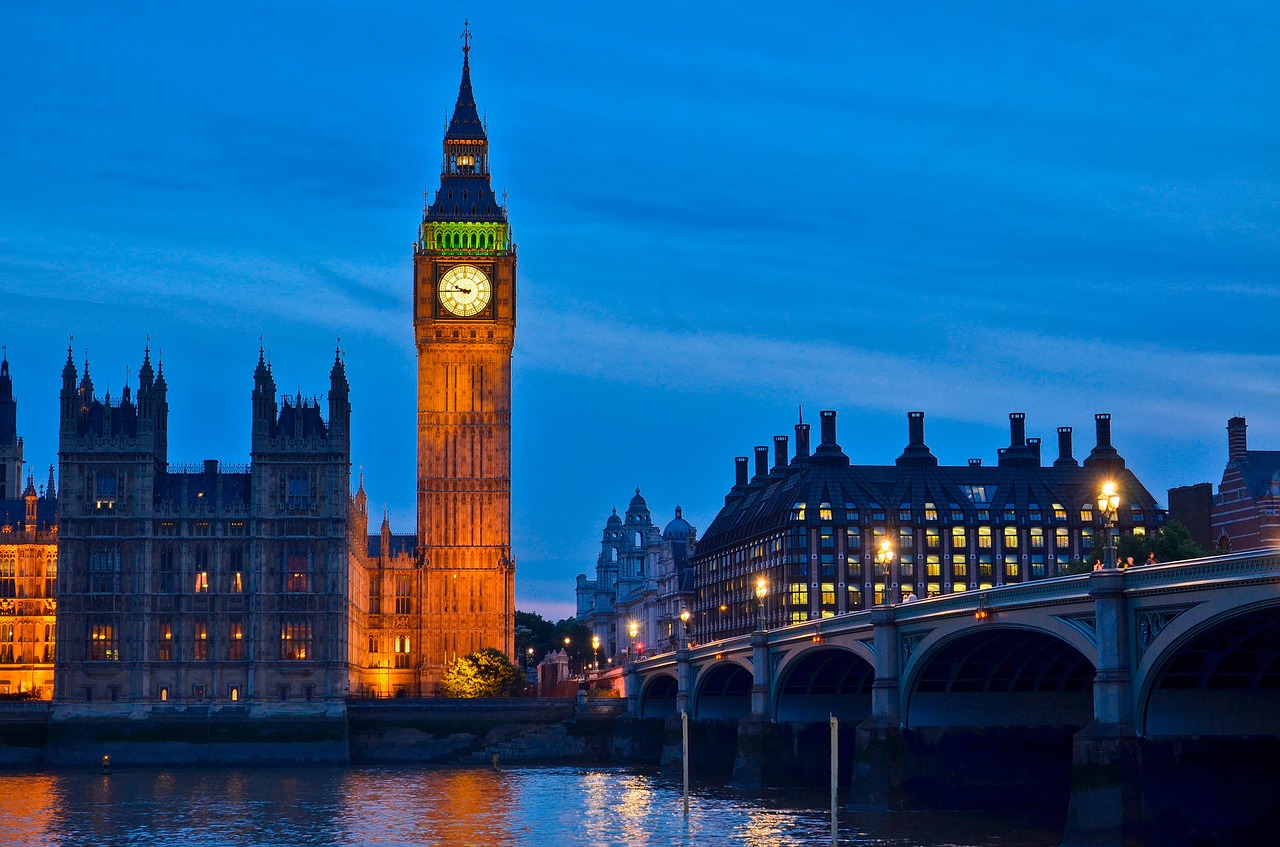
pixel 429 731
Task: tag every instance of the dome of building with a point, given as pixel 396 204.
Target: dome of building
pixel 678 529
pixel 613 519
pixel 638 508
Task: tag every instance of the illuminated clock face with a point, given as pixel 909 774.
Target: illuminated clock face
pixel 465 291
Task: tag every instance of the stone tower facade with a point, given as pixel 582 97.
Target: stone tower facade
pixel 464 326
pixel 201 584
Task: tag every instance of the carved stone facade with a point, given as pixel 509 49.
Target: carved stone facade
pixel 464 325
pixel 643 578
pixel 28 565
pixel 201 584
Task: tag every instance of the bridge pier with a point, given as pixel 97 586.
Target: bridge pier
pixel 757 734
pixel 880 752
pixel 1106 805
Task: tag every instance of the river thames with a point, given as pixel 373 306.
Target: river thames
pixel 520 807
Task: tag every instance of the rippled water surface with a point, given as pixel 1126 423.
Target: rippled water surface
pixel 537 807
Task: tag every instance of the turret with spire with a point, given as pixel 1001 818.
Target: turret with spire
pixel 10 443
pixel 339 401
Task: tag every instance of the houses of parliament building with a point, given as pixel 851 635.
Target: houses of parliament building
pixel 130 581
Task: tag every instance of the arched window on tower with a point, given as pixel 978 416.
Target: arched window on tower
pixel 613 554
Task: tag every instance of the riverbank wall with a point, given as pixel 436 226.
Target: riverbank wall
pixel 436 731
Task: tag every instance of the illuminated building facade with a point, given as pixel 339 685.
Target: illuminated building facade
pixel 643 578
pixel 28 564
pixel 464 321
pixel 201 584
pixel 812 524
pixel 1245 513
pixel 386 608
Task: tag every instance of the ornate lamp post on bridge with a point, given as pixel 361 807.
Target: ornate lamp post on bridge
pixel 884 563
pixel 595 653
pixel 684 628
pixel 762 589
pixel 1108 506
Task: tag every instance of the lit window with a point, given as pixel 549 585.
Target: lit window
pixel 1061 539
pixel 1059 512
pixel 960 565
pixel 202 582
pixel 1011 567
pixel 164 641
pixel 932 538
pixel 933 566
pixel 235 693
pixel 237 583
pixel 200 631
pixel 1086 514
pixel 1037 538
pixel 1010 537
pixel 235 641
pixel 984 537
pixel 402 652
pixel 295 640
pixel 828 594
pixel 824 511
pixel 958 538
pixel 797 511
pixel 930 512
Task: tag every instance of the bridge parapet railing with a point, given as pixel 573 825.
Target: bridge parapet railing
pixel 1054 589
pixel 1233 567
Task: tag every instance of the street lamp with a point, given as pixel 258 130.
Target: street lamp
pixel 633 629
pixel 762 588
pixel 568 656
pixel 884 560
pixel 684 625
pixel 1108 505
pixel 595 652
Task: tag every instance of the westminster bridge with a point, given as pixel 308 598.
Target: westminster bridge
pixel 1150 697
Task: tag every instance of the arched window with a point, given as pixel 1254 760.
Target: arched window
pixel 613 554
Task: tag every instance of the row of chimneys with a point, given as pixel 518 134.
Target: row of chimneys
pixel 1020 447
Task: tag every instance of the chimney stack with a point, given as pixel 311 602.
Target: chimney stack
pixel 802 441
pixel 1102 421
pixel 1034 445
pixel 762 462
pixel 740 471
pixel 828 427
pixel 1237 443
pixel 915 428
pixel 1064 447
pixel 779 453
pixel 1017 429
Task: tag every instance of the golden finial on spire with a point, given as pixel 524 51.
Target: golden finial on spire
pixel 466 35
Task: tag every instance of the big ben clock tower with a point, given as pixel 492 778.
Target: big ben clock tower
pixel 464 320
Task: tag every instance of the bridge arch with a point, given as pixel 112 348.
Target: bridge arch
pixel 723 692
pixel 1216 674
pixel 821 681
pixel 999 675
pixel 658 697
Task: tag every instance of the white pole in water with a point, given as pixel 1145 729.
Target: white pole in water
pixel 684 731
pixel 835 778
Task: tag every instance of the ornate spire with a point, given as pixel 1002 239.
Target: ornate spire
pixel 466 123
pixel 51 490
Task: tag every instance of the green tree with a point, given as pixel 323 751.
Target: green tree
pixel 1172 543
pixel 485 673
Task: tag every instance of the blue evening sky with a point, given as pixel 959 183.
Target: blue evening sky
pixel 724 211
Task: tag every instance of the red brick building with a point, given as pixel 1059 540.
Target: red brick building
pixel 1246 510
